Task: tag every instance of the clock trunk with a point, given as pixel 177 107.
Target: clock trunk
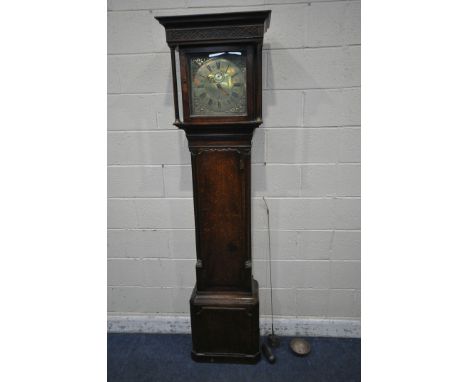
pixel 221 175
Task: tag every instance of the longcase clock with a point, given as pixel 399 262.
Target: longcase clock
pixel 220 79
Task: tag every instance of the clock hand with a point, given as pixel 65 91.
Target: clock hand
pixel 222 89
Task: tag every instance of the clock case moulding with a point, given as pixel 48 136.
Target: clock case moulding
pixel 224 305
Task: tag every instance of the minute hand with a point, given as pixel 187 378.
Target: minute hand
pixel 222 89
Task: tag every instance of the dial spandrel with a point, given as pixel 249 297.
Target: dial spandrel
pixel 218 84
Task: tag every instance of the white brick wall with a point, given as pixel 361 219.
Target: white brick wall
pixel 306 161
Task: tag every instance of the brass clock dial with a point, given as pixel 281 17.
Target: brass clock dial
pixel 218 86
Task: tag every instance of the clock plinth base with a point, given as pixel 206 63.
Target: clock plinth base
pixel 226 358
pixel 225 326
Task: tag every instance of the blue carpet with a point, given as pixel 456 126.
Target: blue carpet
pixel 166 357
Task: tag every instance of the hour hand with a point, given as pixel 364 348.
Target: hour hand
pixel 222 89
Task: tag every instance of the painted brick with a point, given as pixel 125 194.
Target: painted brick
pixel 348 180
pixel 293 1
pixel 352 65
pixel 301 213
pixel 312 302
pixel 131 112
pixel 275 180
pixel 178 181
pixel 122 273
pixel 180 300
pixel 314 68
pixel 331 24
pixel 352 26
pixel 303 145
pixel 338 107
pixel 325 26
pixel 150 213
pixel 346 245
pixel 284 301
pixel 137 243
pixel 343 303
pixel 347 213
pixel 350 145
pixel 261 274
pixel 133 181
pixel 258 146
pixel 287 27
pixel 139 300
pixel 113 81
pixel 151 243
pixel 318 180
pixel 151 272
pixel 358 303
pixel 184 272
pixel 301 274
pixel 331 180
pixel 182 244
pixel 345 274
pixel 159 147
pixel 148 300
pixel 164 105
pixel 293 274
pixel 176 244
pixel 116 5
pixel 140 111
pixel 222 3
pixel 259 214
pixel 314 245
pixel 135 32
pixel 141 73
pixel 259 245
pixel 282 108
pixel 284 245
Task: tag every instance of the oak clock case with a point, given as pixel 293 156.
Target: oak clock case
pixel 220 61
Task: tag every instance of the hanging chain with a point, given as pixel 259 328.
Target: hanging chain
pixel 269 257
